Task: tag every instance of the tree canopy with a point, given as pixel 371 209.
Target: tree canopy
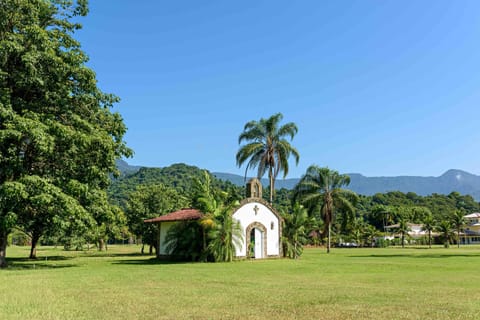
pixel 56 125
pixel 320 189
pixel 267 148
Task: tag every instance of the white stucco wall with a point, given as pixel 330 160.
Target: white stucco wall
pixel 164 227
pixel 246 216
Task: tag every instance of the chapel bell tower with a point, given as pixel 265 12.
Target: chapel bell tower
pixel 254 188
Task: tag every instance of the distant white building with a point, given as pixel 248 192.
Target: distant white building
pixel 472 229
pixel 415 229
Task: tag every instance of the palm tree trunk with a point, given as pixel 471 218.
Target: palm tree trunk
pixel 3 248
pixel 328 235
pixel 458 237
pixel 270 175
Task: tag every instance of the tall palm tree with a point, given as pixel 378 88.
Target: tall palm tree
pixel 267 148
pixel 204 200
pixel 357 229
pixel 321 188
pixel 403 226
pixel 458 222
pixel 446 230
pixel 429 226
pixel 370 233
pixel 383 213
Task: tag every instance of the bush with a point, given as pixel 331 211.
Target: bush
pixel 381 243
pixel 18 238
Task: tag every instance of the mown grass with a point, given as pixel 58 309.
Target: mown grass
pixel 392 283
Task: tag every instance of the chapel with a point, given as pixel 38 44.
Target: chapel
pixel 260 225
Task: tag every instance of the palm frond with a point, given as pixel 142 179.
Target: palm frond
pixel 289 129
pixel 267 150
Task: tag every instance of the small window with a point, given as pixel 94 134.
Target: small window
pixel 272 225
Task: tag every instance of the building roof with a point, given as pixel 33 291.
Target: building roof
pixel 180 215
pixel 472 215
pixel 408 224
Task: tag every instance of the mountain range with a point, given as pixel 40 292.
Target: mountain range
pixel 452 180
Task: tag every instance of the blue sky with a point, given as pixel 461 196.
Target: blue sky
pixel 382 88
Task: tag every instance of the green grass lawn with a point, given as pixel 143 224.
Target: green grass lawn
pixel 392 283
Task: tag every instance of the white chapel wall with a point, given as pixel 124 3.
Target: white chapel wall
pixel 164 227
pixel 246 215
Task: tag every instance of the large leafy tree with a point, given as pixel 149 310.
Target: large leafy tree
pixel 321 189
pixel 11 195
pixel 46 207
pixel 267 148
pixel 382 213
pixel 56 125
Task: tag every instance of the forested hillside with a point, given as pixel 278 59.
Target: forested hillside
pixel 451 181
pixel 373 208
pixel 178 176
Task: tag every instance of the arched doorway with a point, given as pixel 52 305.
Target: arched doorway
pixel 256 236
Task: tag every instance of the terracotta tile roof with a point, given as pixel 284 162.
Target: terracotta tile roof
pixel 184 214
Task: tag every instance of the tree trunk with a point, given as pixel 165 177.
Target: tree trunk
pixel 150 250
pixel 3 248
pixel 33 248
pixel 403 240
pixel 271 185
pixel 204 253
pixel 101 244
pixel 328 236
pixel 430 239
pixel 143 248
pixel 458 238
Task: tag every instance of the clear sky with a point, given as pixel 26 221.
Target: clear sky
pixel 376 87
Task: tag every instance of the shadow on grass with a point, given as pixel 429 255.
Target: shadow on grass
pixel 41 263
pixel 50 262
pixel 419 256
pixel 40 259
pixel 106 254
pixel 151 261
